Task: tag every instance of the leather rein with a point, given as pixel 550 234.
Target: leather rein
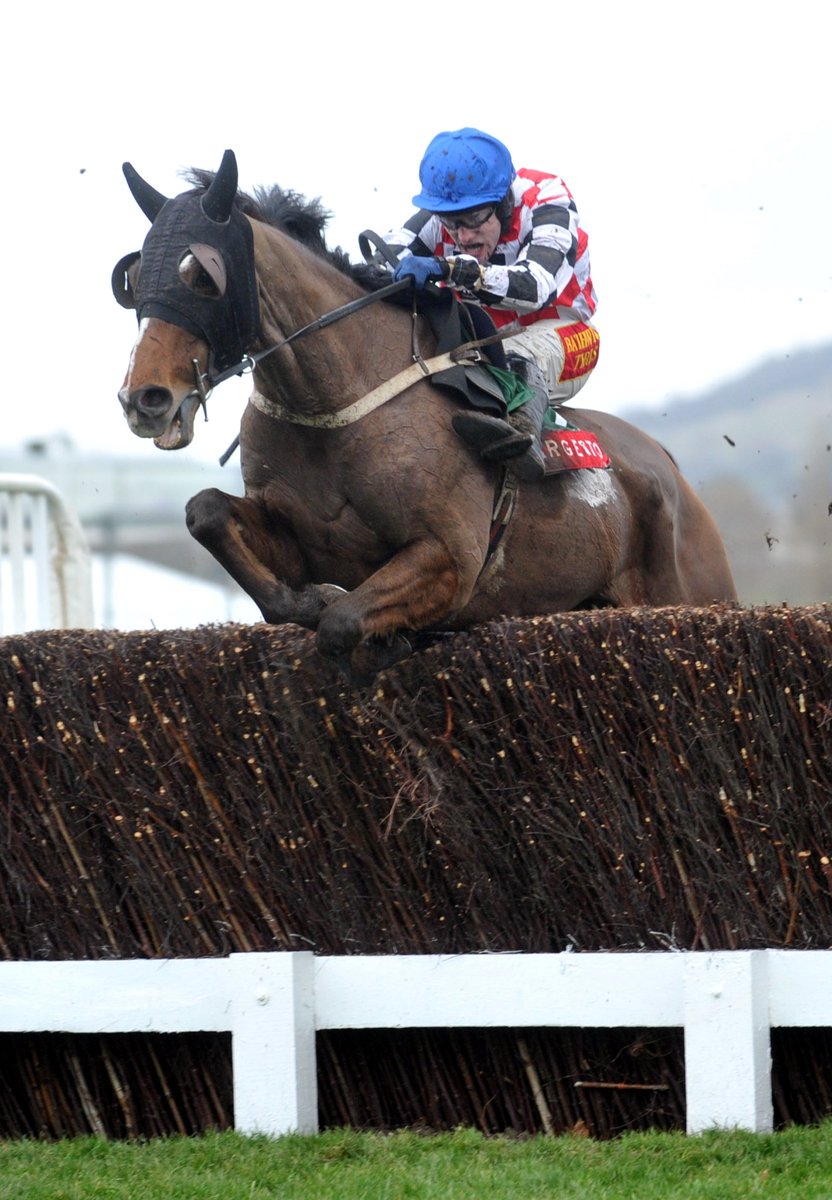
pixel 420 368
pixel 204 384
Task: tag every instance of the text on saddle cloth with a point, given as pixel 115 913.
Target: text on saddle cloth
pixel 566 447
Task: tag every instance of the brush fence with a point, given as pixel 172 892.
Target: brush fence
pixel 274 1003
pixel 599 820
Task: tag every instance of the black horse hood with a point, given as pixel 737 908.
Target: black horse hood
pixel 229 322
pixel 207 224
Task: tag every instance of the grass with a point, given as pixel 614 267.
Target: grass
pixel 795 1164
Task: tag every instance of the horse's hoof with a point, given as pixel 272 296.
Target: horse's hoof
pixel 377 654
pixel 372 656
pixel 330 592
pixel 339 631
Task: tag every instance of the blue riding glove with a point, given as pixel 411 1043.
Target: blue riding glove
pixel 420 270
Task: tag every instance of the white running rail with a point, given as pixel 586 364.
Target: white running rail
pixel 45 573
pixel 273 1003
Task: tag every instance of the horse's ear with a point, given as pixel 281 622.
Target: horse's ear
pixel 219 199
pixel 147 198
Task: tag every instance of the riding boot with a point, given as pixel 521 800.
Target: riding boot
pixel 492 436
pixel 528 419
pixel 518 438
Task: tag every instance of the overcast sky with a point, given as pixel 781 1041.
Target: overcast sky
pixel 695 138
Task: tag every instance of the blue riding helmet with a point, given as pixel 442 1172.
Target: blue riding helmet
pixel 463 169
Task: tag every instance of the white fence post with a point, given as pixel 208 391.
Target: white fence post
pixel 45 574
pixel 728 1041
pixel 273 1042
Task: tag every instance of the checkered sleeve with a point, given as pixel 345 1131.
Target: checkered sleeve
pixel 547 253
pixel 420 235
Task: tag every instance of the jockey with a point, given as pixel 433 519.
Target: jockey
pixel 511 242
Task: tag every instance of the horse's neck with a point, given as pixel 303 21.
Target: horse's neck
pixel 322 370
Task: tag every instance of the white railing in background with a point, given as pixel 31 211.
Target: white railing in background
pixel 45 572
pixel 273 1004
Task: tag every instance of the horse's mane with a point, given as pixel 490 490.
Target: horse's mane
pixel 289 211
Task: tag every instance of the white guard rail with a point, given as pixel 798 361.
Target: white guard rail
pixel 45 574
pixel 273 1004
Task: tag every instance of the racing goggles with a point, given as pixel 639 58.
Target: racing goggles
pixel 472 219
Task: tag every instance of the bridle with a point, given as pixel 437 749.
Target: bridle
pixel 206 382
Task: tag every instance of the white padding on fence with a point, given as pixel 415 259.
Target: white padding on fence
pixel 486 990
pixel 177 995
pixel 273 1004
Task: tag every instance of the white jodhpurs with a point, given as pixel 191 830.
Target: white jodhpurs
pixel 565 351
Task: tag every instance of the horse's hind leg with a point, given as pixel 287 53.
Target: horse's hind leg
pixel 686 561
pixel 419 586
pixel 703 560
pixel 264 560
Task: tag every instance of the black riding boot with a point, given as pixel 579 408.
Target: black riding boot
pixel 492 436
pixel 517 439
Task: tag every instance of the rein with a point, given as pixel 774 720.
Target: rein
pixel 464 355
pixel 205 384
pixel 250 361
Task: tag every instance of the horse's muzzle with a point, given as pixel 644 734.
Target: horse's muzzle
pixel 150 403
pixel 152 412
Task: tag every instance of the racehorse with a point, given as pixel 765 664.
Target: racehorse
pixel 374 525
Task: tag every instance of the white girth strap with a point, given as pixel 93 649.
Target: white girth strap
pixel 374 399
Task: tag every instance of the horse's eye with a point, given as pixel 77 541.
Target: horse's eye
pixel 194 275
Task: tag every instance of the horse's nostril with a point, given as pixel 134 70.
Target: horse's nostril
pixel 152 400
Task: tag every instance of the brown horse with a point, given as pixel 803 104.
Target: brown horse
pixel 371 530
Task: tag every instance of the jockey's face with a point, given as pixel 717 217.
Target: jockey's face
pixel 480 241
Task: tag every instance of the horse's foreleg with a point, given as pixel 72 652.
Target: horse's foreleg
pixel 264 560
pixel 419 586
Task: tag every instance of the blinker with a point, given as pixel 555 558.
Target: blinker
pixel 212 264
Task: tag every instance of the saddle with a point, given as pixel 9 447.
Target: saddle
pixel 484 385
